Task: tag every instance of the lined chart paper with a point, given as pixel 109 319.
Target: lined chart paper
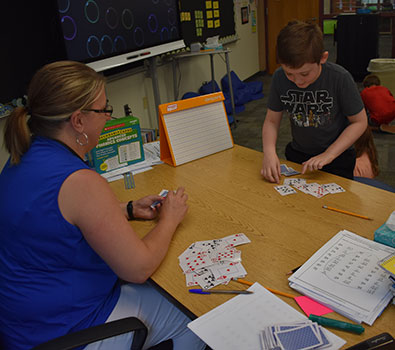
pixel 193 129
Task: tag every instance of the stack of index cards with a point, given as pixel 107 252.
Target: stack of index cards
pixel 294 336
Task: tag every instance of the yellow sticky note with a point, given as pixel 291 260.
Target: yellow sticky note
pixel 216 4
pixel 209 14
pixel 188 16
pixel 182 15
pixel 216 13
pixel 216 23
pixel 389 264
pixel 199 31
pixel 210 24
pixel 209 5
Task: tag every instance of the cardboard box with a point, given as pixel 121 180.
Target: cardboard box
pixel 120 145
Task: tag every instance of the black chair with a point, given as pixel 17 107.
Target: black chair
pixel 100 332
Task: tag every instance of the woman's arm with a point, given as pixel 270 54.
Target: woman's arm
pixel 86 201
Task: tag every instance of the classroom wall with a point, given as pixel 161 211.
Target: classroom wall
pixel 136 90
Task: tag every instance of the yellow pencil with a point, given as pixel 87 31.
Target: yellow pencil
pixel 347 212
pixel 269 289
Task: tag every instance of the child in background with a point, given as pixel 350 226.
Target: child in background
pixel 322 102
pixel 379 103
pixel 366 163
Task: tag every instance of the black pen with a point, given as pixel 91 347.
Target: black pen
pixel 293 270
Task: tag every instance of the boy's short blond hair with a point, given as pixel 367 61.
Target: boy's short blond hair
pixel 299 43
pixel 371 80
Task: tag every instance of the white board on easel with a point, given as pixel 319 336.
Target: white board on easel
pixel 193 128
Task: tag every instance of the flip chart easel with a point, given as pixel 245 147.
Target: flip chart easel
pixel 193 128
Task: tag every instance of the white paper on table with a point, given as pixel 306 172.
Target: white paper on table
pixel 344 275
pixel 134 168
pixel 237 323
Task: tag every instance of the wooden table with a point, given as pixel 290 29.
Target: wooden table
pixel 227 195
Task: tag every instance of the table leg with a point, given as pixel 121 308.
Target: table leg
pixel 230 86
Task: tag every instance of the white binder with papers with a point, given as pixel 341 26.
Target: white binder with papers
pixel 344 275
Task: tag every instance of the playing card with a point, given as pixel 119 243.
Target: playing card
pixel 162 193
pixel 237 239
pixel 284 190
pixel 294 181
pixel 301 187
pixel 298 338
pixel 333 188
pixel 227 254
pixel 207 280
pixel 316 190
pixel 190 279
pixel 291 172
pixel 192 251
pixel 228 271
pixel 194 262
pixel 283 168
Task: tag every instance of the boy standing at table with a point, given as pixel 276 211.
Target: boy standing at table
pixel 323 104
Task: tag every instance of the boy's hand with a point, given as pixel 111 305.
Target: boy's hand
pixel 317 162
pixel 271 168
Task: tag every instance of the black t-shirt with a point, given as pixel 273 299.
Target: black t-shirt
pixel 318 113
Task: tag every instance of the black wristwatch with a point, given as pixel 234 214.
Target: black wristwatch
pixel 129 209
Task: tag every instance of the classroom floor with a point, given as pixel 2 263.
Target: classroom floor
pixel 248 132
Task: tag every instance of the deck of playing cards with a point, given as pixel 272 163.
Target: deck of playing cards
pixel 288 171
pixel 162 193
pixel 213 262
pixel 294 336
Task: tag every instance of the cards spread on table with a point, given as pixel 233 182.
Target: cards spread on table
pixel 294 336
pixel 162 193
pixel 213 262
pixel 313 189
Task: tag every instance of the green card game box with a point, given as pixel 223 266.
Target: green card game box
pixel 120 144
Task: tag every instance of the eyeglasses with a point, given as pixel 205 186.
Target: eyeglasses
pixel 107 110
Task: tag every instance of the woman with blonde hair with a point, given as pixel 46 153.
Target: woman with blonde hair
pixel 65 240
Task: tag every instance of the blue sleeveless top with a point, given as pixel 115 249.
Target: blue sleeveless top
pixel 51 280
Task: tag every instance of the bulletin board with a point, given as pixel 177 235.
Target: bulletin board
pixel 201 19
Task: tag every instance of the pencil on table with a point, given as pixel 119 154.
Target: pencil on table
pixel 293 270
pixel 248 283
pixel 347 212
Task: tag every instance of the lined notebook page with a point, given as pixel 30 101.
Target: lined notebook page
pixel 198 132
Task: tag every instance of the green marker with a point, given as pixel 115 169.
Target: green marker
pixel 345 326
